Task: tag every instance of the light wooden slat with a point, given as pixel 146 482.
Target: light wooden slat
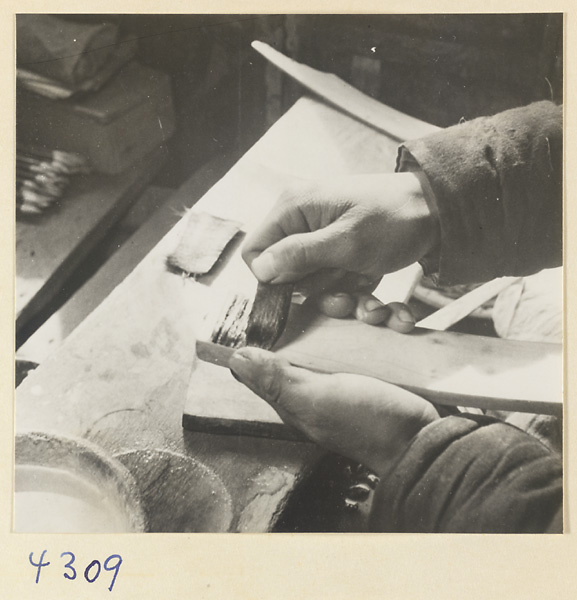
pixel 444 367
pixel 460 308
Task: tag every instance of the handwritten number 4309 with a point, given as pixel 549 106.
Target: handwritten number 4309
pixel 91 572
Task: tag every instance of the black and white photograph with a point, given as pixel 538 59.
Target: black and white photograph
pixel 287 273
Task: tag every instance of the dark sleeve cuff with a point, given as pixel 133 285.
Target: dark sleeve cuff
pixel 407 162
pixel 496 183
pixel 472 474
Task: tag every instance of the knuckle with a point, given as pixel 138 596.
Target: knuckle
pixel 294 195
pixel 358 239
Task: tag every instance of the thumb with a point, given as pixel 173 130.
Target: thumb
pixel 298 255
pixel 264 373
pixel 286 388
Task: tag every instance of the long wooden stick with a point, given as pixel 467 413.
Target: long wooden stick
pixel 443 367
pixel 346 97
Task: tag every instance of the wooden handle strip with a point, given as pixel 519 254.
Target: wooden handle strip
pixel 443 367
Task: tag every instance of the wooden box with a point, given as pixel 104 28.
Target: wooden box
pixel 114 127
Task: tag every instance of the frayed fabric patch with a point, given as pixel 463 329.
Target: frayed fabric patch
pixel 202 243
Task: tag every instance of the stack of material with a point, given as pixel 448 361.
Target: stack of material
pixel 79 91
pixel 42 178
pixel 58 57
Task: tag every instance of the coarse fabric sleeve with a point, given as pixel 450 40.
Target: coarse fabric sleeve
pixel 471 474
pixel 496 186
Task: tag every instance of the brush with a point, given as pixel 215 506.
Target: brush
pixel 42 179
pixel 242 322
pixel 269 314
pixel 443 367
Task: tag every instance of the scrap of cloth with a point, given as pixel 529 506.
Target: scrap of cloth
pixel 496 186
pixel 472 474
pixel 203 241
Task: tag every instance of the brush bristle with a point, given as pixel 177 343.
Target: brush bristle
pixel 231 324
pixel 269 314
pixel 259 322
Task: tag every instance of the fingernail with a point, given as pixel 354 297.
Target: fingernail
pixel 242 367
pixel 264 267
pixel 373 304
pixel 260 371
pixel 405 316
pixel 298 298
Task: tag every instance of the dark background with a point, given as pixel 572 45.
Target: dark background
pixel 440 68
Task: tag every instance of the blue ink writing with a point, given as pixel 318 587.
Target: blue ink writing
pixel 87 571
pixel 91 572
pixel 114 568
pixel 39 564
pixel 69 566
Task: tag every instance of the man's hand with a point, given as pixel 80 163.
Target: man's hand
pixel 359 417
pixel 338 238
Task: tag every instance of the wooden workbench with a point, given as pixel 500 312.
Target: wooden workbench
pixel 120 379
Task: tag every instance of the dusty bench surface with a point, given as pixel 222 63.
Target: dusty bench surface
pixel 121 378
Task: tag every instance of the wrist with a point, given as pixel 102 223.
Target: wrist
pixel 429 259
pixel 429 216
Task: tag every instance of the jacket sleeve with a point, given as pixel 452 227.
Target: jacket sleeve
pixel 496 185
pixel 471 474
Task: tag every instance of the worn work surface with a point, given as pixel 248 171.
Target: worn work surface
pixel 121 378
